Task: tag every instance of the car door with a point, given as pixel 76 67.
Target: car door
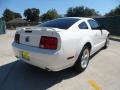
pixel 98 33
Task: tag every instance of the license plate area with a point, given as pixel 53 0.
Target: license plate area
pixel 25 55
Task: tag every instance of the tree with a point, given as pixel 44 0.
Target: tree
pixel 9 15
pixel 49 15
pixel 32 14
pixel 114 12
pixel 81 11
pixel 17 15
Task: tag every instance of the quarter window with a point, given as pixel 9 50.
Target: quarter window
pixel 83 25
pixel 93 24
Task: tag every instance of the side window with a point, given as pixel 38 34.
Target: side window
pixel 83 25
pixel 93 24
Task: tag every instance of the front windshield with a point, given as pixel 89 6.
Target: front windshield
pixel 62 23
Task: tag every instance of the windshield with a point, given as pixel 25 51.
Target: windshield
pixel 62 23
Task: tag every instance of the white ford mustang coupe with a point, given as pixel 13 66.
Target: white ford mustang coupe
pixel 61 43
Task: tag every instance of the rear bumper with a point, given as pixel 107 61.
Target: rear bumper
pixel 46 59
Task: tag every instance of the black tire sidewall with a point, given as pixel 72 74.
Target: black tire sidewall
pixel 106 46
pixel 77 65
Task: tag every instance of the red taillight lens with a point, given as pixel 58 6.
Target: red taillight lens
pixel 17 38
pixel 48 42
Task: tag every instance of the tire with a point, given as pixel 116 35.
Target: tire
pixel 106 43
pixel 83 60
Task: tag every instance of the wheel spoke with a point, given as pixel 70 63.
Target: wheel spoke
pixel 85 58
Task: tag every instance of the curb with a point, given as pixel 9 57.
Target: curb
pixel 115 39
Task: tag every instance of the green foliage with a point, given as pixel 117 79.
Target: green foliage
pixel 112 24
pixel 9 15
pixel 81 11
pixel 17 15
pixel 32 14
pixel 114 12
pixel 51 14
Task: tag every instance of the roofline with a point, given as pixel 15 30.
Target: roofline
pixel 79 17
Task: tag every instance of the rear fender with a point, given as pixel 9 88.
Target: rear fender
pixel 81 44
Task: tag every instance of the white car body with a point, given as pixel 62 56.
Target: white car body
pixel 70 43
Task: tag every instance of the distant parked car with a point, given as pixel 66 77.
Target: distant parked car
pixel 61 43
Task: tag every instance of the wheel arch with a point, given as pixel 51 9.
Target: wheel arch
pixel 88 43
pixel 78 60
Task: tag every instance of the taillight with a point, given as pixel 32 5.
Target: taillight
pixel 48 42
pixel 17 38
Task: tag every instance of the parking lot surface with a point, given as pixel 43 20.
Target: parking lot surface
pixel 102 73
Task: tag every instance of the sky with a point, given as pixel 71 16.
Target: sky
pixel 102 6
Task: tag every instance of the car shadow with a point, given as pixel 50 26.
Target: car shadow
pixel 96 53
pixel 21 76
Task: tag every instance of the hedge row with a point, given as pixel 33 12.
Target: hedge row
pixel 112 24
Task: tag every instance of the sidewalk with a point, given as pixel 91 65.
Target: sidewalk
pixel 116 38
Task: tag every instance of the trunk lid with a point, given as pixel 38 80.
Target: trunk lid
pixel 32 35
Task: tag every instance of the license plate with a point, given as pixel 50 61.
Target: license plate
pixel 25 55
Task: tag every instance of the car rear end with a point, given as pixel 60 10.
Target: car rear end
pixel 40 47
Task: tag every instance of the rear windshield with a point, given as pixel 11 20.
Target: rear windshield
pixel 63 23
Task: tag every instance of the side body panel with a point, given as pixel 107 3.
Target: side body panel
pixel 74 39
